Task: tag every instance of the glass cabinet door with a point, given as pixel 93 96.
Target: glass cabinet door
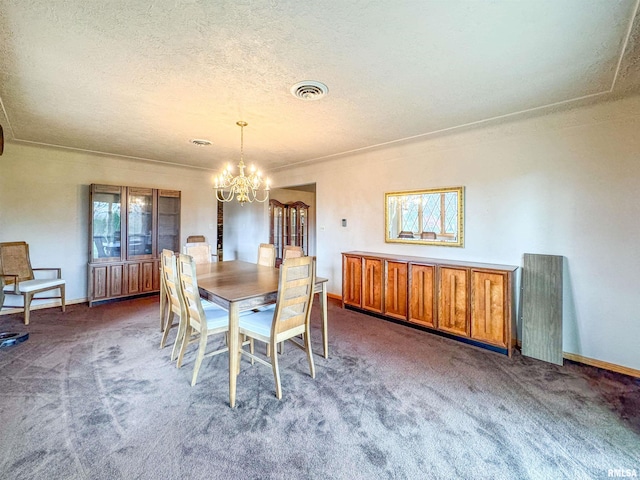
pixel 168 220
pixel 140 223
pixel 106 231
pixel 276 233
pixel 298 234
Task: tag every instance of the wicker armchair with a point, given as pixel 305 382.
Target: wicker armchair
pixel 19 279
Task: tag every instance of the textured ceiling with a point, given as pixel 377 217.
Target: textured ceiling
pixel 140 79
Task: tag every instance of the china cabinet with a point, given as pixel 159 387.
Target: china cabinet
pixel 468 301
pixel 128 228
pixel 289 225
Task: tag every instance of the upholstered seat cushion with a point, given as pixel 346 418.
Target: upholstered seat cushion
pixel 27 286
pixel 216 318
pixel 259 322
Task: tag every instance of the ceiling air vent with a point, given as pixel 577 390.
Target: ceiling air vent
pixel 309 90
pixel 200 142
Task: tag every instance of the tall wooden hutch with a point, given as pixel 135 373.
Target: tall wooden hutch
pixel 289 225
pixel 128 229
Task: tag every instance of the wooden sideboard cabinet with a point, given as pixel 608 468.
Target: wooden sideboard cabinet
pixel 128 228
pixel 464 300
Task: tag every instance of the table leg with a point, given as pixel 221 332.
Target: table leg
pixel 233 352
pixel 325 336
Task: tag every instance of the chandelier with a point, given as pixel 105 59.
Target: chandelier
pixel 245 188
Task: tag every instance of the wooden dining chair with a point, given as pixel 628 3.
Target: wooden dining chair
pixel 267 255
pixel 292 251
pixel 200 251
pixel 19 277
pixel 289 319
pixel 170 283
pixel 199 323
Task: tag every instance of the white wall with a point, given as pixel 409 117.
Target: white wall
pixel 245 228
pixel 563 184
pixel 44 200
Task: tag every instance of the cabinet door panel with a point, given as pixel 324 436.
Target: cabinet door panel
pixel 422 294
pixel 133 278
pixel 146 271
pixel 352 281
pixel 116 280
pixel 453 310
pixel 99 282
pixel 372 287
pixel 395 292
pixel 488 307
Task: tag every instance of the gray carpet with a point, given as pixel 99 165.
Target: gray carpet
pixel 91 396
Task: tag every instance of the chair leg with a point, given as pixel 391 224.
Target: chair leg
pixel 307 344
pixel 27 307
pixel 199 357
pixel 185 342
pixel 167 327
pixel 276 372
pixel 163 301
pixel 62 297
pixel 178 342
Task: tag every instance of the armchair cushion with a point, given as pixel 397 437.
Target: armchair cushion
pixel 36 285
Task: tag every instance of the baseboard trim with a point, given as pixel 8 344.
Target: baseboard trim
pixel 632 372
pixel 574 357
pixel 334 296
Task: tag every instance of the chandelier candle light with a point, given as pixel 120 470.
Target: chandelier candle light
pixel 244 187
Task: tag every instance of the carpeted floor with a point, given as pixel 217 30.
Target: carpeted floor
pixel 91 396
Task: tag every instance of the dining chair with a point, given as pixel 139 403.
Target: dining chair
pixel 292 251
pixel 267 255
pixel 200 251
pixel 290 317
pixel 170 284
pixel 19 277
pixel 199 323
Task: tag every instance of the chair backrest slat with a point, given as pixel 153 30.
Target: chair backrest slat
pixel 267 255
pixel 195 238
pixel 295 293
pixel 292 251
pixel 201 252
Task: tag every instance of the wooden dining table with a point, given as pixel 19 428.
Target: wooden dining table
pixel 237 286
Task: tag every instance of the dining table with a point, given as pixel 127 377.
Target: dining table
pixel 238 286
